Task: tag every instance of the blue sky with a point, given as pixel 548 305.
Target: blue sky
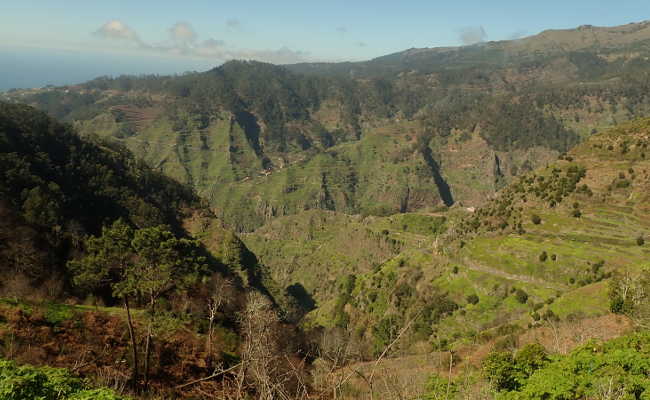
pixel 163 35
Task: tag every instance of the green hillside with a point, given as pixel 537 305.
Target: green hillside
pixel 542 253
pixel 105 262
pixel 467 222
pixel 416 130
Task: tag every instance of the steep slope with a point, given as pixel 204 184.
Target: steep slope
pixel 555 233
pixel 57 188
pixel 541 252
pixel 58 191
pixel 421 128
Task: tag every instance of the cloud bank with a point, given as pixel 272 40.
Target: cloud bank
pixel 184 41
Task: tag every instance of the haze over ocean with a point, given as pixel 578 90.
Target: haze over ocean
pixel 33 67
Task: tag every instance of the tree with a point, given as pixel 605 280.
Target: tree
pixel 629 294
pixel 163 262
pixel 145 264
pixel 107 261
pixel 499 369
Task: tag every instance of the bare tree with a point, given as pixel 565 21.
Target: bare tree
pixel 217 297
pixel 264 364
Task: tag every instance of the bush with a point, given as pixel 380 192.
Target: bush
pixel 521 296
pixel 620 366
pixel 624 183
pixel 543 257
pixel 640 241
pixel 438 387
pixel 536 219
pixel 499 369
pixel 531 358
pixel 549 315
pixel 27 382
pixel 576 213
pixel 472 299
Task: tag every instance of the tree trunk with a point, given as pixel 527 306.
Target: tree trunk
pixel 148 345
pixel 134 347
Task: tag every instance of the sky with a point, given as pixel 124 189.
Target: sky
pixel 69 41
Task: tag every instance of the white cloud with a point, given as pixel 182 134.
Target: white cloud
pixel 116 29
pixel 182 33
pixel 184 41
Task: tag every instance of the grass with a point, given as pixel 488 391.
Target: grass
pixel 589 300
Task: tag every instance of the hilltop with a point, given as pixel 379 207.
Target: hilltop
pixel 586 44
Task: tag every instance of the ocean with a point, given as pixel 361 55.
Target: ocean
pixel 32 67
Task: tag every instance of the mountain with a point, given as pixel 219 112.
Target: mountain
pixel 420 129
pixel 63 201
pixel 534 264
pixel 585 47
pixel 439 221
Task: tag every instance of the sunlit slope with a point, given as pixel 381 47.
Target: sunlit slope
pixel 543 249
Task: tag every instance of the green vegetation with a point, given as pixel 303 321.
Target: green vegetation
pixel 595 370
pixel 388 216
pixel 142 264
pixel 259 141
pixel 27 382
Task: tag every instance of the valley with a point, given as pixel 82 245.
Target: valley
pixel 438 223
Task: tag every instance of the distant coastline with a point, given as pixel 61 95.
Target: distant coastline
pixel 22 68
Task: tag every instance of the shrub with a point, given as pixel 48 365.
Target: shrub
pixel 439 388
pixel 549 315
pixel 499 369
pixel 27 382
pixel 593 371
pixel 531 358
pixel 576 213
pixel 472 299
pixel 623 184
pixel 640 241
pixel 595 267
pixel 543 257
pixel 521 296
pixel 536 219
